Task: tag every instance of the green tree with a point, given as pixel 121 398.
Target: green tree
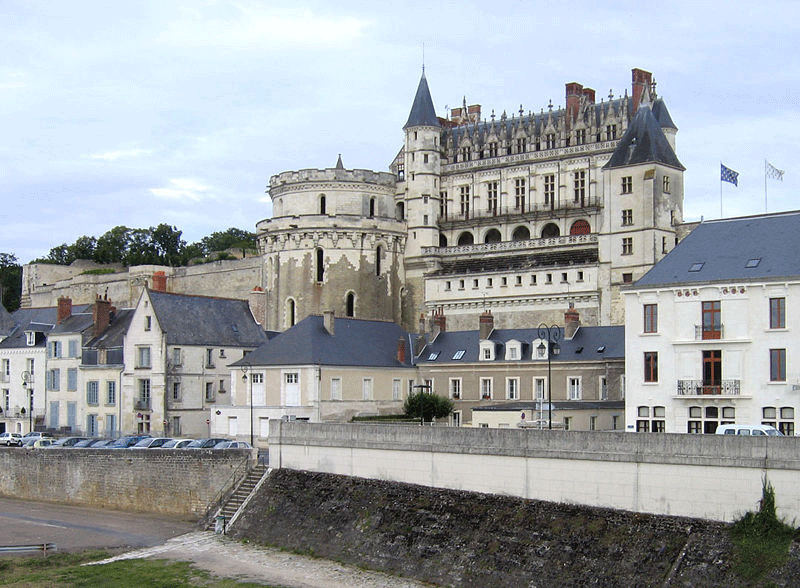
pixel 232 238
pixel 432 406
pixel 112 246
pixel 168 245
pixel 10 281
pixel 82 248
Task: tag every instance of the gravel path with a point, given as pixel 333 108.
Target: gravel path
pixel 227 558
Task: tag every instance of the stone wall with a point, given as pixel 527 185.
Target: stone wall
pixel 172 482
pixel 704 476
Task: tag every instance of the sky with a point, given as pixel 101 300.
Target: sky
pixel 146 112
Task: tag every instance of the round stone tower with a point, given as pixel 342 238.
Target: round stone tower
pixel 333 243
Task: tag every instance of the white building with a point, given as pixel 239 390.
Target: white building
pixel 712 330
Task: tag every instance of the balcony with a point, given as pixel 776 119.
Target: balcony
pixel 701 388
pixel 142 404
pixel 530 212
pixel 703 332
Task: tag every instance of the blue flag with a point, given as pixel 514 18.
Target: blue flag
pixel 726 174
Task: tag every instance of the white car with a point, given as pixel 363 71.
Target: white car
pixel 11 439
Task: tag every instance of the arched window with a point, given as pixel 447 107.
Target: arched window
pixel 320 265
pixel 580 227
pixel 521 234
pixel 371 207
pixel 492 236
pixel 290 313
pixel 550 230
pixel 350 305
pixel 322 204
pixel 378 255
pixel 466 238
pixel 442 240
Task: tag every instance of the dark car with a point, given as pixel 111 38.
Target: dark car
pixel 127 441
pixel 66 442
pixel 206 443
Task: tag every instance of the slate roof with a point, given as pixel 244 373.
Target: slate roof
pixel 6 321
pixel 520 262
pixel 202 320
pixel 644 142
pixel 114 335
pixel 42 320
pixel 422 112
pixel 724 247
pixel 662 115
pixel 355 342
pixel 584 346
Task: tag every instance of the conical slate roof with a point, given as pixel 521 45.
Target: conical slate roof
pixel 662 115
pixel 422 112
pixel 644 142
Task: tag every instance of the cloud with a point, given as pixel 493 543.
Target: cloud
pixel 121 154
pixel 185 189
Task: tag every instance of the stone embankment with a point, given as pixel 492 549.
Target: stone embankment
pixel 456 538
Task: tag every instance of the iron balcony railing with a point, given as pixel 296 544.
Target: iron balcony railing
pixel 506 212
pixel 709 332
pixel 701 388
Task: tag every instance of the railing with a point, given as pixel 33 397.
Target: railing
pixel 43 547
pixel 142 404
pixel 709 332
pixel 701 388
pixel 227 490
pixel 535 209
pixel 500 246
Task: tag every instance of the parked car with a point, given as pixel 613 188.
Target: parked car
pixel 37 443
pixel 66 442
pixel 206 443
pixel 150 442
pixel 233 445
pixel 176 444
pixel 101 443
pixel 37 435
pixel 10 439
pixel 749 430
pixel 127 441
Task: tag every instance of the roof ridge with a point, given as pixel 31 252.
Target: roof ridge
pixel 151 291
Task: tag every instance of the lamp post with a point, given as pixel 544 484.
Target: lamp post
pixel 552 334
pixel 421 402
pixel 249 383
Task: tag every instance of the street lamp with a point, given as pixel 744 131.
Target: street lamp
pixel 422 403
pixel 552 334
pixel 245 379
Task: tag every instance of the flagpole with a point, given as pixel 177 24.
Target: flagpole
pixel 720 191
pixel 765 187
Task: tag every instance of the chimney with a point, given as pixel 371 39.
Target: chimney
pixel 421 323
pixel 257 301
pixel 101 315
pixel 64 309
pixel 160 281
pixel 588 93
pixel 574 92
pixel 401 351
pixel 485 325
pixel 641 79
pixel 572 320
pixel 438 323
pixel 328 321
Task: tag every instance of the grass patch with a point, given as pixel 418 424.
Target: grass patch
pixel 66 571
pixel 761 539
pixel 99 271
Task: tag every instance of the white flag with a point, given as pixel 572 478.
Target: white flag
pixel 773 172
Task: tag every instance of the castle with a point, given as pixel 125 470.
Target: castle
pixel 522 216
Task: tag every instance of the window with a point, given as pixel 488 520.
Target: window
pixel 579 186
pixel 91 425
pixel 487 353
pixel 443 204
pixel 320 264
pixel 650 366
pixel 72 379
pixel 148 323
pixel 712 372
pixel 379 253
pixel 464 193
pixel 751 263
pixel 322 204
pixel 492 197
pixel 54 349
pixel 567 423
pixel 627 246
pixel 209 391
pixel 512 388
pixel 30 337
pixel 550 189
pixel 664 245
pixel 643 422
pixel 706 420
pixel 493 149
pixel 519 194
pixel 92 392
pixel 209 358
pixel 712 319
pixel 396 389
pixel 111 392
pixel 486 388
pixel 111 425
pixel 53 380
pixel 143 357
pixel 72 348
pixel 777 365
pixel 786 424
pixel 580 136
pixel 144 392
pixel 602 384
pixel 459 354
pixel 665 185
pixel 777 313
pixel 650 318
pixel 611 134
pixel 696 267
pixel 592 423
pixel 366 388
pixel 627 184
pixel 6 400
pixel 550 141
pixel 176 356
pixel 574 388
pixel 336 388
pixel 580 276
pixel 521 144
pixel 627 278
pixel 466 153
pixel 455 388
pixel 768 416
pixel 176 391
pixel 425 158
pixel 548 278
pixel 627 217
pixel 489 282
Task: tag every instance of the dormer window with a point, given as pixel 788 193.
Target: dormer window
pixel 487 350
pixel 513 350
pixel 30 337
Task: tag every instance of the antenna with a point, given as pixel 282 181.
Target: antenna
pixel 423 57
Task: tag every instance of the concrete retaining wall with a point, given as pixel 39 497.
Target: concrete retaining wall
pixel 703 476
pixel 174 482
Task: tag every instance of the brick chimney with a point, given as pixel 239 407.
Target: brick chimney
pixel 329 321
pixel 401 351
pixel 485 325
pixel 588 93
pixel 574 92
pixel 421 323
pixel 257 301
pixel 160 281
pixel 641 79
pixel 64 309
pixel 572 320
pixel 101 315
pixel 439 323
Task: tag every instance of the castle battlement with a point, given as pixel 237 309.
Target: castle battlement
pixel 362 176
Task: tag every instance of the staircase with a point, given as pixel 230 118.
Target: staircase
pixel 240 495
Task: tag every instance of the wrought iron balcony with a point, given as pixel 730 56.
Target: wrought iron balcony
pixel 709 332
pixel 701 388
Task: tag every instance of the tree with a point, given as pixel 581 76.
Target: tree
pixel 233 237
pixel 10 281
pixel 168 245
pixel 433 406
pixel 112 246
pixel 83 248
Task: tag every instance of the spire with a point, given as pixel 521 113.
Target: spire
pixel 339 164
pixel 422 111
